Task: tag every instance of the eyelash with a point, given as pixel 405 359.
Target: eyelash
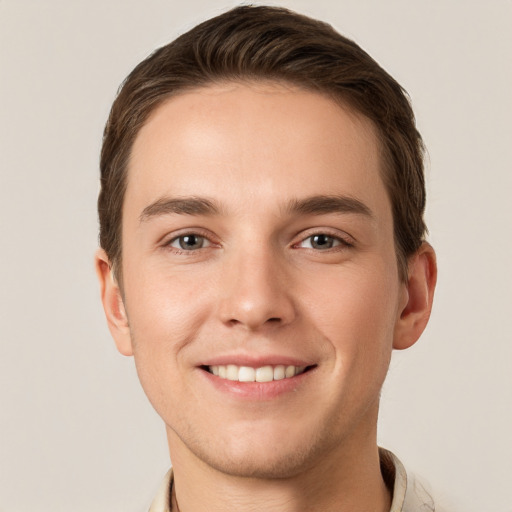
pixel 339 242
pixel 181 250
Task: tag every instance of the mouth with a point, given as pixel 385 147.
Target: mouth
pixel 267 373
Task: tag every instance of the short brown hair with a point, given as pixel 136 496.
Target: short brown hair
pixel 270 43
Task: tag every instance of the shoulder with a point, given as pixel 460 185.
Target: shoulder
pixel 162 500
pixel 410 494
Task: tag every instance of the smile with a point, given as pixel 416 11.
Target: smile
pixel 262 374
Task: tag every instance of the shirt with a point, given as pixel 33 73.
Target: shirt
pixel 409 495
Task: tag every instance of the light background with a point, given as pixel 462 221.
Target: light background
pixel 76 432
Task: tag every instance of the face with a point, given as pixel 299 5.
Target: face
pixel 261 296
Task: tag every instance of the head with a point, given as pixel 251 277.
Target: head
pixel 260 44
pixel 261 204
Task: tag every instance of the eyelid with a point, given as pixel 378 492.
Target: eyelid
pixel 169 238
pixel 206 242
pixel 344 238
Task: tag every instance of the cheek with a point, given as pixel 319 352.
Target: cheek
pixel 159 298
pixel 356 310
pixel 164 314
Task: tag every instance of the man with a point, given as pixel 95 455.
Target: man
pixel 262 253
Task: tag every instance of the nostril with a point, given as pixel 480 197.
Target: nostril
pixel 275 320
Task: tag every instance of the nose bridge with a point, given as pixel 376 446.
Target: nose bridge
pixel 254 284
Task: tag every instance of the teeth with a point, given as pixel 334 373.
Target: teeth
pixel 290 371
pixel 265 374
pixel 279 372
pixel 244 374
pixel 249 374
pixel 232 372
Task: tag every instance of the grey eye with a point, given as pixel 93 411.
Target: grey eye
pixel 189 242
pixel 321 242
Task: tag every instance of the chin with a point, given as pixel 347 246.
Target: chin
pixel 266 455
pixel 259 465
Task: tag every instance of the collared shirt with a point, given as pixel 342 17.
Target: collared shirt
pixel 409 495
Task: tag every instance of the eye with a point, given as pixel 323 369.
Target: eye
pixel 321 242
pixel 189 242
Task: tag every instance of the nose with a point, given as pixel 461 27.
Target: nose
pixel 257 290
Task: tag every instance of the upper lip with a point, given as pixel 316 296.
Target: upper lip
pixel 255 361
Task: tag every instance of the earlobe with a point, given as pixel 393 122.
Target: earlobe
pixel 113 304
pixel 419 294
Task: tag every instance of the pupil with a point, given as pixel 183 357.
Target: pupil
pixel 322 241
pixel 190 242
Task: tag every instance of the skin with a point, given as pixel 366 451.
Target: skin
pixel 257 287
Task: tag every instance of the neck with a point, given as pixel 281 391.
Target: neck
pixel 344 480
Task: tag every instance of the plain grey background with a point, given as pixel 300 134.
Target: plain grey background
pixel 76 431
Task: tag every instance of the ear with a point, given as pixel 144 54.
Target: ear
pixel 418 297
pixel 113 305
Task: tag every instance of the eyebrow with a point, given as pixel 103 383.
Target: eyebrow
pixel 314 205
pixel 324 204
pixel 180 206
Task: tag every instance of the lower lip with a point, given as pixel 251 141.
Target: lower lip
pixel 257 390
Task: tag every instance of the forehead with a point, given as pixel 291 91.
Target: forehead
pixel 259 140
